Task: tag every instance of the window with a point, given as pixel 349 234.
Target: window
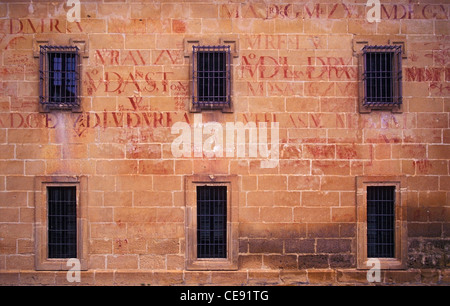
pixel 382 76
pixel 380 221
pixel 381 210
pixel 59 77
pixel 211 221
pixel 211 77
pixel 211 225
pixel 60 221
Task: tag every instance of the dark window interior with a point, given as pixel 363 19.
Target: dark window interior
pixel 59 77
pixel 62 222
pixel 211 221
pixel 380 221
pixel 211 76
pixel 382 75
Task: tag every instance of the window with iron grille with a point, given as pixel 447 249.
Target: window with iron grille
pixel 62 222
pixel 59 77
pixel 211 77
pixel 381 221
pixel 382 76
pixel 211 221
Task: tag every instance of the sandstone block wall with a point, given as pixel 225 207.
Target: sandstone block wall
pixel 295 63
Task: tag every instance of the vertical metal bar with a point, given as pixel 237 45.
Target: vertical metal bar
pixel 389 97
pixel 384 99
pixel 66 219
pixel 194 54
pixel 374 76
pixel 60 77
pixel 208 79
pixel 391 77
pixel 399 76
pixel 218 59
pixel 383 220
pixel 364 75
pixel 51 77
pixel 228 77
pixel 61 240
pixel 216 219
pixel 41 93
pixel 388 222
pixel 214 68
pixel 49 223
pixel 380 76
pixel 58 222
pixel 64 78
pixel 394 77
pixel 210 209
pixel 77 79
pixel 385 73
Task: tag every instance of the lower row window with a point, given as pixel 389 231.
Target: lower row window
pixel 211 221
pixel 381 222
pixel 62 222
pixel 212 227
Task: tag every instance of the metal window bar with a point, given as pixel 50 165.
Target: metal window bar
pixel 62 222
pixel 211 76
pixel 381 221
pixel 59 77
pixel 211 221
pixel 382 75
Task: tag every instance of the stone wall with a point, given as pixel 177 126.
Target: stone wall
pixel 295 63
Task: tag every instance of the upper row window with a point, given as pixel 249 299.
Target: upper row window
pixel 59 76
pixel 382 77
pixel 211 77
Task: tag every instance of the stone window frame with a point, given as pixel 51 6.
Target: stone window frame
pixel 399 261
pixel 42 262
pixel 231 260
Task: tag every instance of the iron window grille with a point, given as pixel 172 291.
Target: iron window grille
pixel 382 76
pixel 211 221
pixel 381 221
pixel 62 222
pixel 59 77
pixel 211 77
